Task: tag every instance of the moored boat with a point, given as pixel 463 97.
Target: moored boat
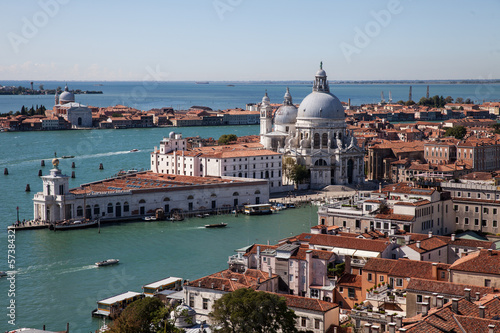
pixel 217 225
pixel 107 262
pixel 78 224
pixel 260 209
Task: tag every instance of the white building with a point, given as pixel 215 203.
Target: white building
pixel 135 195
pixel 242 161
pixel 314 135
pixel 77 114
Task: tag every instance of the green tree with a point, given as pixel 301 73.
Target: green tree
pixel 288 167
pixel 246 311
pixel 299 173
pixel 459 100
pixel 496 128
pixel 227 138
pixel 448 99
pixel 116 115
pixel 147 315
pixel 458 132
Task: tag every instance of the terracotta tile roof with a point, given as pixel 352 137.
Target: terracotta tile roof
pixel 350 280
pixel 316 254
pixel 402 267
pixel 483 261
pixel 413 204
pixel 311 304
pixel 253 249
pixel 379 265
pixel 146 180
pixel 397 217
pixel 230 281
pixel 343 242
pixel 446 288
pixel 428 244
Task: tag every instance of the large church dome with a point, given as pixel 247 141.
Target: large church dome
pixel 321 103
pixel 67 96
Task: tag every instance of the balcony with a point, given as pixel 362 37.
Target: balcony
pixel 358 262
pixel 236 259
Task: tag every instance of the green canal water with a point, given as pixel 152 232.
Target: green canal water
pixel 56 280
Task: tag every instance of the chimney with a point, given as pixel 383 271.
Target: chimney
pixel 402 330
pixel 452 237
pixel 454 305
pixel 392 327
pixel 399 321
pixel 258 280
pixel 490 252
pixel 440 301
pixel 491 328
pixel 390 318
pixel 375 329
pixel 425 308
pixel 418 244
pixel 427 300
pixel 478 296
pixel 430 233
pixel 368 328
pixel 434 271
pixel 380 187
pixel 213 285
pixel 481 311
pixel 199 284
pixel 467 294
pixel 270 272
pixel 434 300
pixel 223 287
pixel 348 229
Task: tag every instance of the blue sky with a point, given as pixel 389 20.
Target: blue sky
pixel 248 39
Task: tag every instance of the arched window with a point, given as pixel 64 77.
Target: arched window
pixel 97 210
pixel 110 208
pixel 88 211
pixel 79 121
pixel 324 140
pixel 79 211
pixel 126 207
pixel 213 195
pixel 320 162
pixel 190 197
pixel 142 201
pixel 257 192
pixel 235 194
pixel 239 175
pixel 316 141
pixel 267 173
pixel 166 199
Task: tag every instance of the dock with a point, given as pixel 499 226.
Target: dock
pixel 29 225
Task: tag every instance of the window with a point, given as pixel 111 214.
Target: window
pixel 369 276
pixel 291 278
pixel 317 324
pixel 314 293
pixel 79 211
pixel 466 221
pixel 110 208
pixel 382 278
pixel 191 301
pixel 485 210
pixel 419 298
pixel 351 293
pixel 476 221
pixel 487 283
pixel 341 289
pixel 126 207
pixel 483 223
pixel 399 282
pixel 205 304
pixel 303 321
pixel 494 211
pixel 495 224
pixel 477 209
pixel 97 210
pixel 443 275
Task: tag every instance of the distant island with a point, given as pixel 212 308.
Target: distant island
pixel 12 90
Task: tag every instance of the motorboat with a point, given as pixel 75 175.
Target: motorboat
pixel 68 156
pixel 217 225
pixel 107 262
pixel 133 150
pixel 149 218
pixel 2 274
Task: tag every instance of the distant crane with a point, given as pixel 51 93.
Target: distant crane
pixel 390 97
pixel 427 95
pixel 382 99
pixel 409 95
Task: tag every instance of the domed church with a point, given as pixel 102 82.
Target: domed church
pixel 314 135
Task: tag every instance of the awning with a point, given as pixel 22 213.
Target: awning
pixel 343 251
pixel 366 254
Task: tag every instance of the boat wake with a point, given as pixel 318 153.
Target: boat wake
pixel 103 154
pixel 76 269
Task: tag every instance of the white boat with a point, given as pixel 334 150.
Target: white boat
pixel 78 224
pixel 149 218
pixel 133 150
pixel 107 262
pixel 2 274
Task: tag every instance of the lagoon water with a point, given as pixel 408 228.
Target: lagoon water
pixel 56 281
pixel 218 95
